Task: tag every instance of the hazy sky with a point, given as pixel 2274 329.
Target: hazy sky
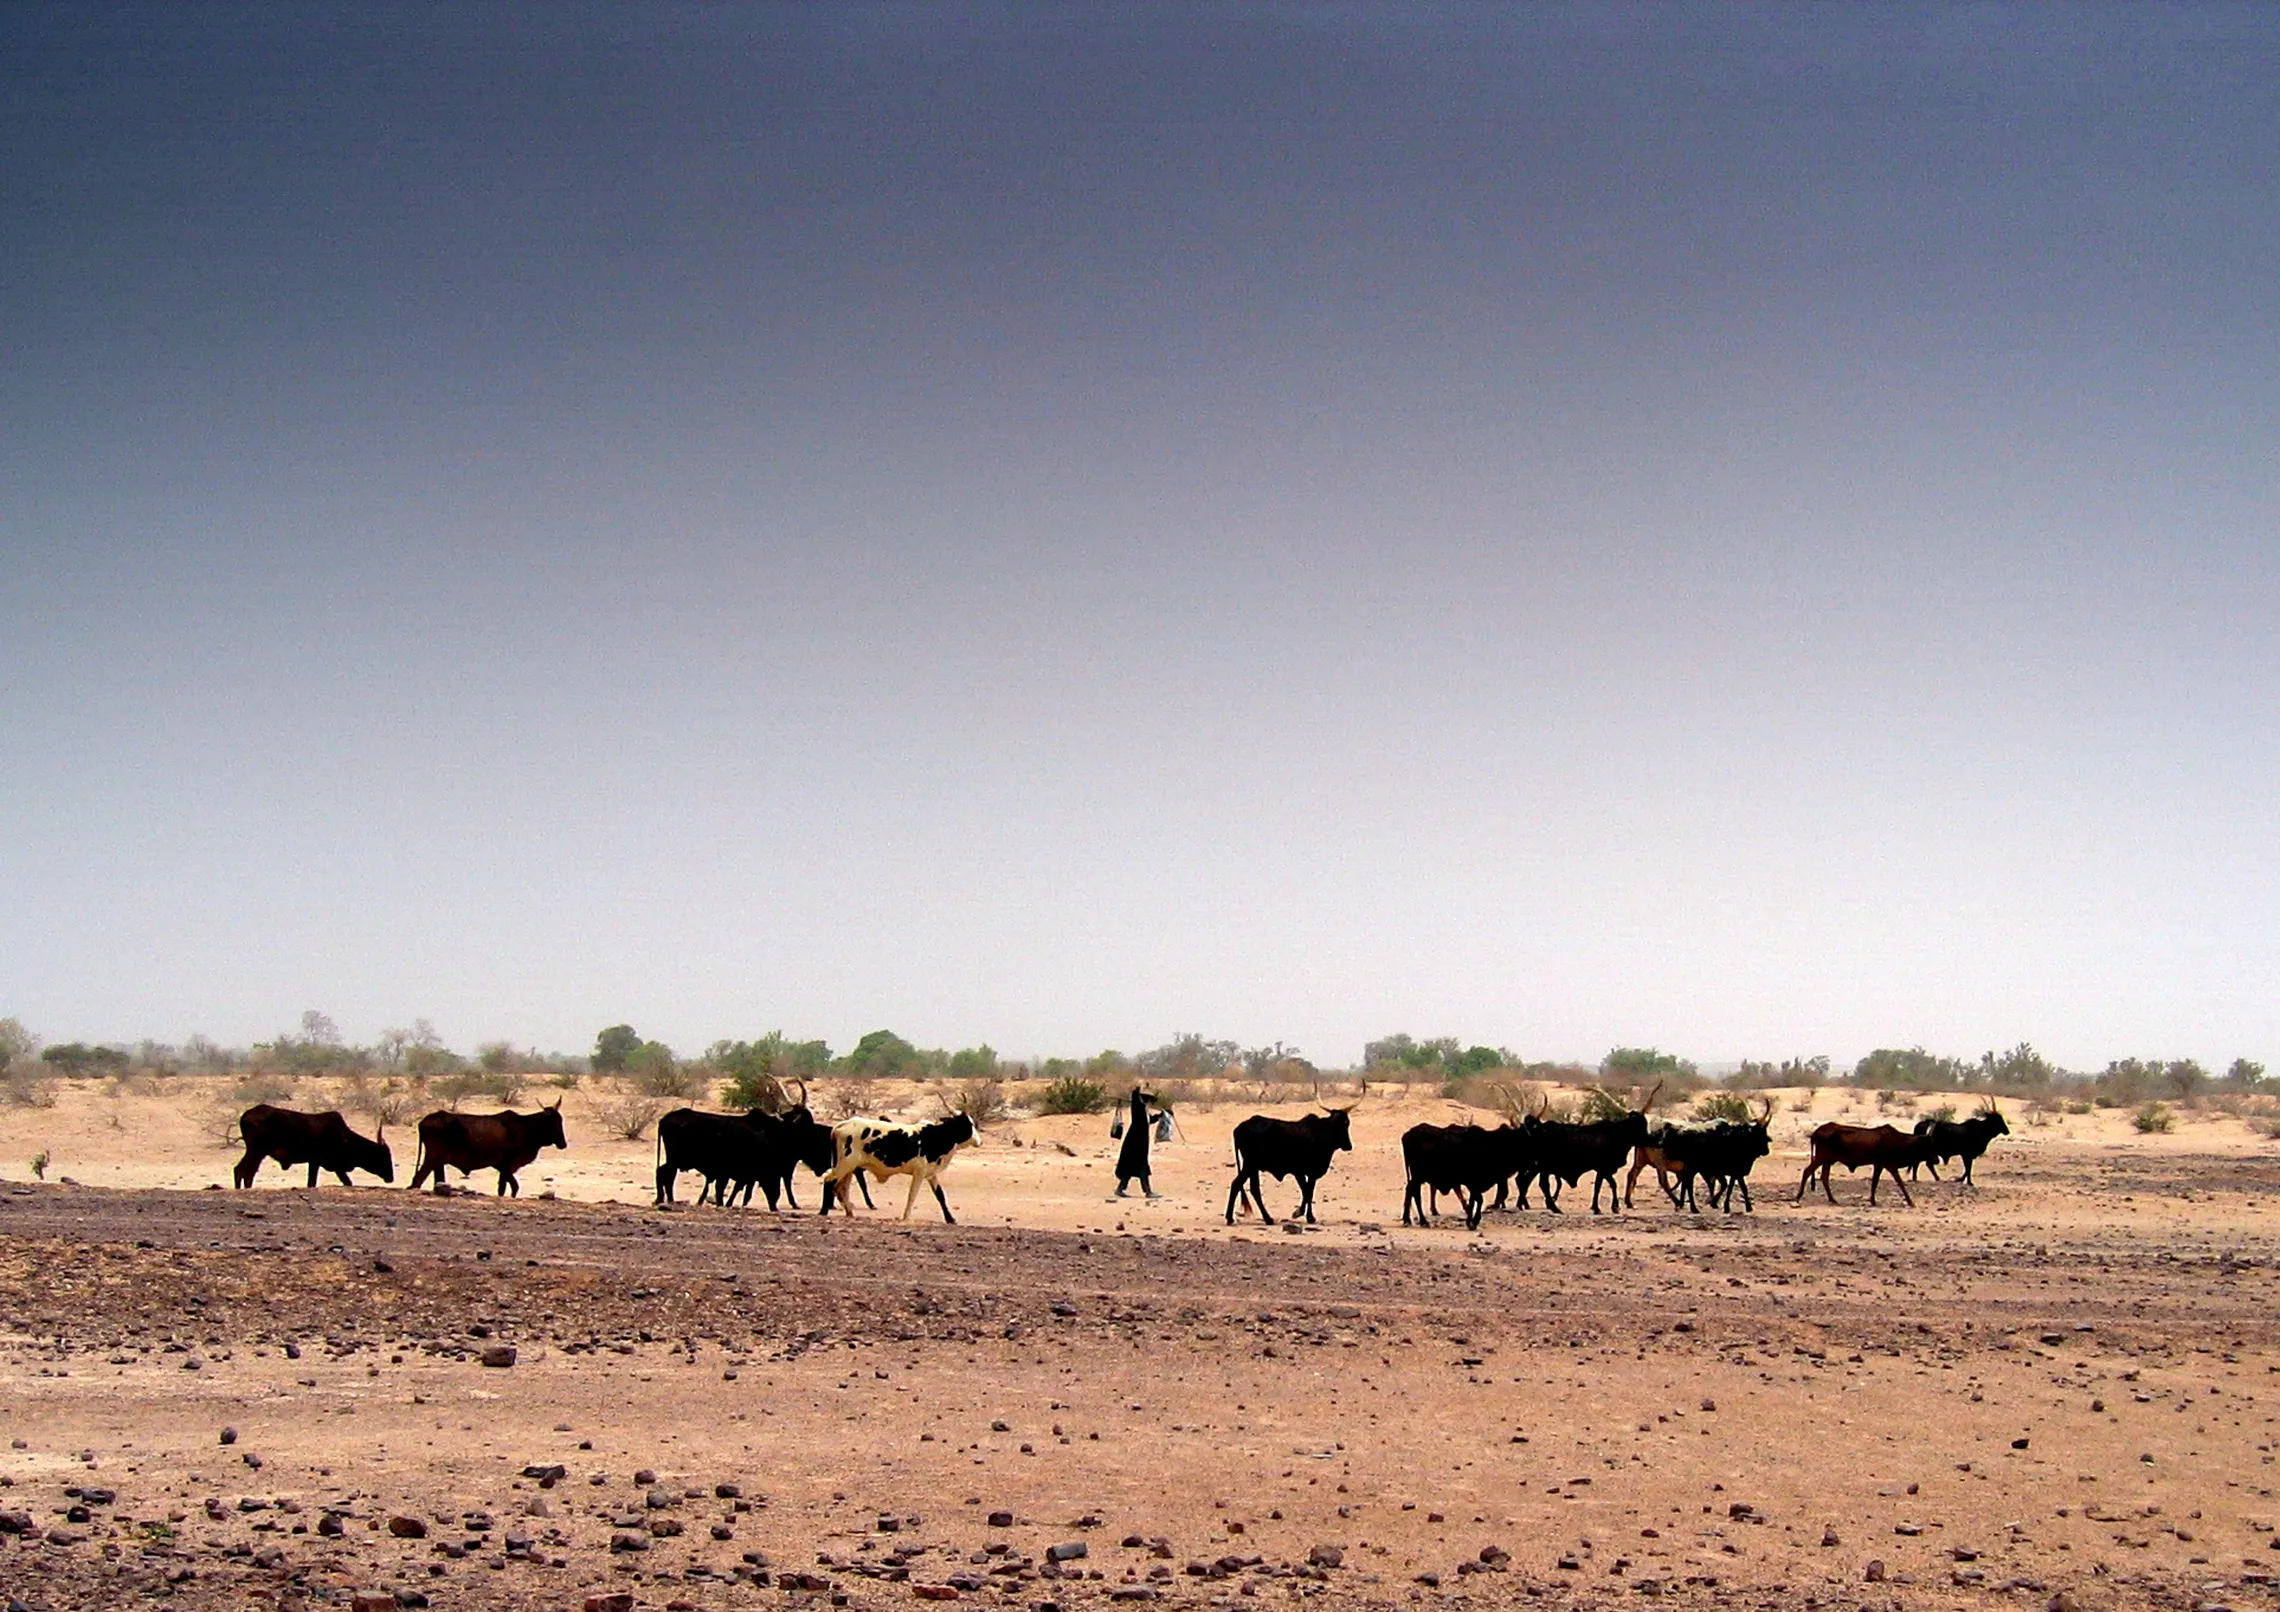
pixel 1752 531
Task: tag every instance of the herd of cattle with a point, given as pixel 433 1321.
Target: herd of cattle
pixel 736 1153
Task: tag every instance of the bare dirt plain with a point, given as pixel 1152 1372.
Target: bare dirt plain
pixel 2059 1390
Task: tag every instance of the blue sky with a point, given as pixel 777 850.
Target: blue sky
pixel 1747 530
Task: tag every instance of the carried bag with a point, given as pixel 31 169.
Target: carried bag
pixel 1116 1127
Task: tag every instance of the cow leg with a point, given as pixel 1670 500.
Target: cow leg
pixel 913 1198
pixel 1743 1182
pixel 1903 1186
pixel 948 1219
pixel 665 1175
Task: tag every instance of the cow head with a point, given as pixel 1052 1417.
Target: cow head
pixel 1337 1124
pixel 374 1158
pixel 1992 1117
pixel 547 1126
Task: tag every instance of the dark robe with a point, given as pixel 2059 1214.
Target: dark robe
pixel 1132 1160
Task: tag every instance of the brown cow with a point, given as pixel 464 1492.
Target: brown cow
pixel 469 1142
pixel 321 1141
pixel 1883 1148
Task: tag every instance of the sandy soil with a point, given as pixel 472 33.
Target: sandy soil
pixel 2059 1388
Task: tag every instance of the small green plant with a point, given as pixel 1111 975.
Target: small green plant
pixel 40 1164
pixel 2154 1119
pixel 1946 1111
pixel 1723 1107
pixel 1073 1094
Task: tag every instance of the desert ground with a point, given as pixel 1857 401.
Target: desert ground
pixel 2057 1390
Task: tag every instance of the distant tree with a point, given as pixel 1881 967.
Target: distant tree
pixel 388 1048
pixel 78 1058
pixel 496 1057
pixel 1643 1066
pixel 883 1055
pixel 757 1070
pixel 613 1047
pixel 1912 1070
pixel 1188 1057
pixel 1478 1060
pixel 1108 1063
pixel 974 1063
pixel 426 1054
pixel 16 1042
pixel 319 1030
pixel 2244 1075
pixel 2127 1082
pixel 207 1056
pixel 2185 1077
pixel 2021 1066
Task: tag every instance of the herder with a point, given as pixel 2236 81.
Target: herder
pixel 1132 1160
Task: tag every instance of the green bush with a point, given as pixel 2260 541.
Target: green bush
pixel 1073 1094
pixel 2154 1119
pixel 1600 1104
pixel 1723 1108
pixel 503 1085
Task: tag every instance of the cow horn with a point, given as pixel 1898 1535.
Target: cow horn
pixel 803 1091
pixel 1766 1118
pixel 1648 1106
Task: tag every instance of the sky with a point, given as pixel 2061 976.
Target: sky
pixel 1753 531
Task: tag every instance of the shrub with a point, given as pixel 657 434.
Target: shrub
pixel 1723 1107
pixel 982 1101
pixel 262 1086
pixel 20 1087
pixel 1945 1111
pixel 627 1114
pixel 503 1085
pixel 1201 1094
pixel 1599 1104
pixel 391 1102
pixel 848 1098
pixel 1073 1094
pixel 2154 1119
pixel 655 1073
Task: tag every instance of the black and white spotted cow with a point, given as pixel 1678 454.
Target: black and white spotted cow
pixel 883 1150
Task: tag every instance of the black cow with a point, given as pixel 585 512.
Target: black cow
pixel 1566 1152
pixel 736 1152
pixel 1287 1147
pixel 503 1142
pixel 321 1141
pixel 1722 1155
pixel 1961 1139
pixel 1466 1160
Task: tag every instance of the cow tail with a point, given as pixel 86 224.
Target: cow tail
pixel 419 1158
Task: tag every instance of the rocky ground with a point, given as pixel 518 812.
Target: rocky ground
pixel 2060 1392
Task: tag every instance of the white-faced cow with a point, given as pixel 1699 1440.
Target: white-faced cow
pixel 321 1141
pixel 503 1142
pixel 1301 1148
pixel 882 1149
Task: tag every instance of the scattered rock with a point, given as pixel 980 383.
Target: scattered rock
pixel 407 1527
pixel 499 1354
pixel 1072 1550
pixel 229 1435
pixel 1873 1573
pixel 1829 1537
pixel 546 1472
pixel 622 1601
pixel 1326 1556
